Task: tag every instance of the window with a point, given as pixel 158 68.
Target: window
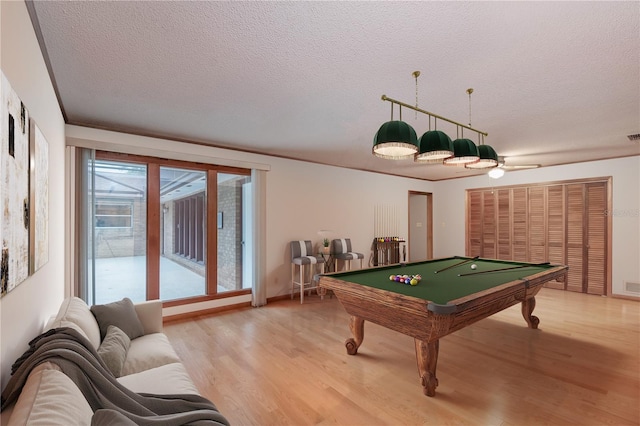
pixel 113 215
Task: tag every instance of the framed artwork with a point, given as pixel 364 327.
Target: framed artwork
pixel 14 201
pixel 38 198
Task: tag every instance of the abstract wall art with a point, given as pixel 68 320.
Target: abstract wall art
pixel 38 199
pixel 14 181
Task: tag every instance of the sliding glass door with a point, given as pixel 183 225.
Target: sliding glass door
pixel 183 233
pixel 161 229
pixel 119 231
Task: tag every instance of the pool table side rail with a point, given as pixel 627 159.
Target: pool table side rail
pixel 483 304
pixel 405 314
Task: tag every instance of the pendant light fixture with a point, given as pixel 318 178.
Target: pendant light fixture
pixel 488 158
pixel 397 140
pixel 464 152
pixel 434 146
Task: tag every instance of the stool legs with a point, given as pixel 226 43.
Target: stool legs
pixel 302 279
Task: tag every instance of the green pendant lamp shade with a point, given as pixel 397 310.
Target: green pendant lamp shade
pixel 488 158
pixel 434 146
pixel 464 152
pixel 395 140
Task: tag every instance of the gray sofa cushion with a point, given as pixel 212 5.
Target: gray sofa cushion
pixel 113 349
pixel 122 314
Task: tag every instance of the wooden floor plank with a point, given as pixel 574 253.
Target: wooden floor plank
pixel 286 364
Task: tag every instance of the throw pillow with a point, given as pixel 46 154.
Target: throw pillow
pixel 113 349
pixel 122 314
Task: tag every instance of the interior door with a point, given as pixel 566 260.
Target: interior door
pixel 420 227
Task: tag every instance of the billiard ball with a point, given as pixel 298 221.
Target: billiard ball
pixel 413 282
pixel 474 266
pixel 392 277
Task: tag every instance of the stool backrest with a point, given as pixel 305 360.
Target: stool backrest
pixel 341 245
pixel 301 248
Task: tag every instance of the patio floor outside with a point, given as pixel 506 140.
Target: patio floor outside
pixel 118 277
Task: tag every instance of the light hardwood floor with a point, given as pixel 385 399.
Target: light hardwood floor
pixel 286 364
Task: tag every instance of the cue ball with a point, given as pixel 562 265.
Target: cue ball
pixel 474 266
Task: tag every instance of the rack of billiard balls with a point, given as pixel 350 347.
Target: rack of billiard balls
pixel 406 279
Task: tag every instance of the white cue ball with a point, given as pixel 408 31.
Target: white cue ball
pixel 474 266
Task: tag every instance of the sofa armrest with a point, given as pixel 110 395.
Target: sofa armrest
pixel 150 314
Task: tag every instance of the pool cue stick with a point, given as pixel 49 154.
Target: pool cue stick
pixel 457 264
pixel 503 269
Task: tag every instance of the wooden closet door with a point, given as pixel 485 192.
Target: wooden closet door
pixel 537 225
pixel 503 224
pixel 555 230
pixel 596 237
pixel 520 223
pixel 489 245
pixel 575 237
pixel 474 223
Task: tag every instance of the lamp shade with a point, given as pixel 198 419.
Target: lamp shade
pixel 488 158
pixel 434 145
pixel 395 140
pixel 464 152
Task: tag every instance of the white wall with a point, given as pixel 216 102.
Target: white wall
pixel 303 198
pixel 24 310
pixel 449 209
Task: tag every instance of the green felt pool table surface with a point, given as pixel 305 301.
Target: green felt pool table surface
pixel 444 286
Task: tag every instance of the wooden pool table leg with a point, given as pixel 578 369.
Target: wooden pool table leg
pixel 427 357
pixel 528 305
pixel 356 324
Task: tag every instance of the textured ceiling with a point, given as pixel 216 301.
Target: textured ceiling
pixel 554 82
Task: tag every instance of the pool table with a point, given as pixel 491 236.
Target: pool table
pixel 450 296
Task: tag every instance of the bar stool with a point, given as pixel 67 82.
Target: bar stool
pixel 301 256
pixel 341 250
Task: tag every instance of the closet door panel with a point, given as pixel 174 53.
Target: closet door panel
pixel 596 238
pixel 537 228
pixel 503 224
pixel 555 230
pixel 519 207
pixel 575 237
pixel 488 225
pixel 474 223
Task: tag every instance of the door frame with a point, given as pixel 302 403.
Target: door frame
pixel 428 221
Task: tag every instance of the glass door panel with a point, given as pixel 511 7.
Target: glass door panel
pixel 183 233
pixel 119 201
pixel 234 232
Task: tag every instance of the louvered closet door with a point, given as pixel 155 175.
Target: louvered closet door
pixel 537 228
pixel 555 230
pixel 519 207
pixel 596 237
pixel 503 224
pixel 474 223
pixel 489 225
pixel 575 237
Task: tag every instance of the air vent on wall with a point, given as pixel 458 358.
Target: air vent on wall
pixel 634 138
pixel 632 287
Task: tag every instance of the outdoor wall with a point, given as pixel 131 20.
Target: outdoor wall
pixel 24 310
pixel 230 234
pixel 449 209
